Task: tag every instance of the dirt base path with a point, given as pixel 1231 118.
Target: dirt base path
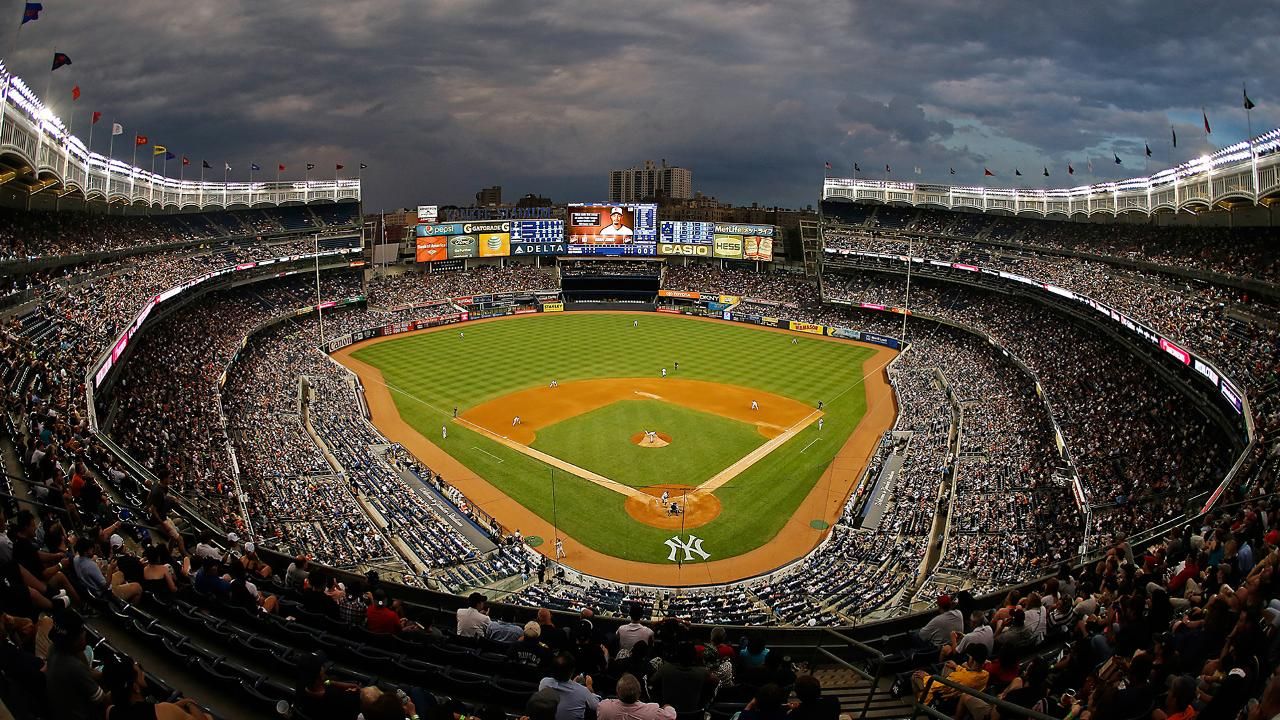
pixel 545 406
pixel 797 537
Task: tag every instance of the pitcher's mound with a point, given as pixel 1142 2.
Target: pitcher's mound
pixel 658 440
pixel 697 507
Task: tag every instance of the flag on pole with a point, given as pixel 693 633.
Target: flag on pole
pixel 31 12
pixel 95 118
pixel 987 173
pixel 339 166
pixel 186 160
pixel 827 165
pixel 1017 172
pixel 886 168
pixel 917 170
pixel 1117 158
pixel 169 155
pixel 226 167
pixel 1148 147
pixel 139 139
pixel 311 166
pixel 280 168
pixel 363 166
pixel 1070 170
pixel 1248 104
pixel 953 171
pixel 60 59
pixel 855 167
pixel 1174 133
pixel 1207 131
pixel 1046 171
pixel 75 92
pixel 117 129
pixel 159 149
pixel 204 165
pixel 1089 163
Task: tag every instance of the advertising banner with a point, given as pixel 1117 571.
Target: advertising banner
pixel 804 327
pixel 463 246
pixel 730 299
pixel 428 213
pixel 494 244
pixel 728 246
pixel 679 294
pixel 666 309
pixel 440 229
pixel 538 248
pixel 432 248
pixel 553 307
pixel 757 247
pixel 684 249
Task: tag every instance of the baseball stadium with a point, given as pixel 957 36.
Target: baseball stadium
pixel 919 449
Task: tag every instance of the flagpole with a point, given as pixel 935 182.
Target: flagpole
pixel 87 164
pixel 151 194
pixel 133 167
pixel 1253 156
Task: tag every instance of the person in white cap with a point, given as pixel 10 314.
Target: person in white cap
pixel 615 230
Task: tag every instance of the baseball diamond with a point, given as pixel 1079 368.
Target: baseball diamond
pixel 751 480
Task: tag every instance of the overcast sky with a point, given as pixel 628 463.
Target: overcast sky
pixel 442 98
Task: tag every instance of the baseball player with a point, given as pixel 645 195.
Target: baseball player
pixel 554 384
pixel 455 411
pixel 677 366
pixel 664 372
pixel 795 341
pixel 820 420
pixel 444 432
pixel 665 497
pixel 515 421
pixel 560 554
pixel 755 405
pixel 635 323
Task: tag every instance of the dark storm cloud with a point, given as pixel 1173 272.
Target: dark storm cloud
pixel 441 98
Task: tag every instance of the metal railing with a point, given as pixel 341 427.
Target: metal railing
pixel 1006 708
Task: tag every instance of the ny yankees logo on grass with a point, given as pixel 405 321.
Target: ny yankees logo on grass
pixel 690 547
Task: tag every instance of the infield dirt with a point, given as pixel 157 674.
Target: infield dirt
pixel 824 501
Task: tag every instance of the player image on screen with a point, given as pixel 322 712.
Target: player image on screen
pixel 616 230
pixel 594 225
pixel 611 229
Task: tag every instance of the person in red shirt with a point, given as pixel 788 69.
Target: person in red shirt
pixel 1189 570
pixel 380 618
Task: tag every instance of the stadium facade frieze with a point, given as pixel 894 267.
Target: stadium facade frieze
pixel 1247 172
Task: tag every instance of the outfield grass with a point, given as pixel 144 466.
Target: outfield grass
pixel 600 441
pixel 432 373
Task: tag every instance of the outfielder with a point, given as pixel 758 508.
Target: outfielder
pixel 664 372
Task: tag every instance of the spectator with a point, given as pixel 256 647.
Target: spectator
pixel 474 618
pixel 633 632
pixel 627 706
pixel 576 695
pixel 810 703
pixel 125 680
pixel 74 693
pixel 682 682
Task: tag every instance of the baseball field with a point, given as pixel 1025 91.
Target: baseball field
pixel 563 425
